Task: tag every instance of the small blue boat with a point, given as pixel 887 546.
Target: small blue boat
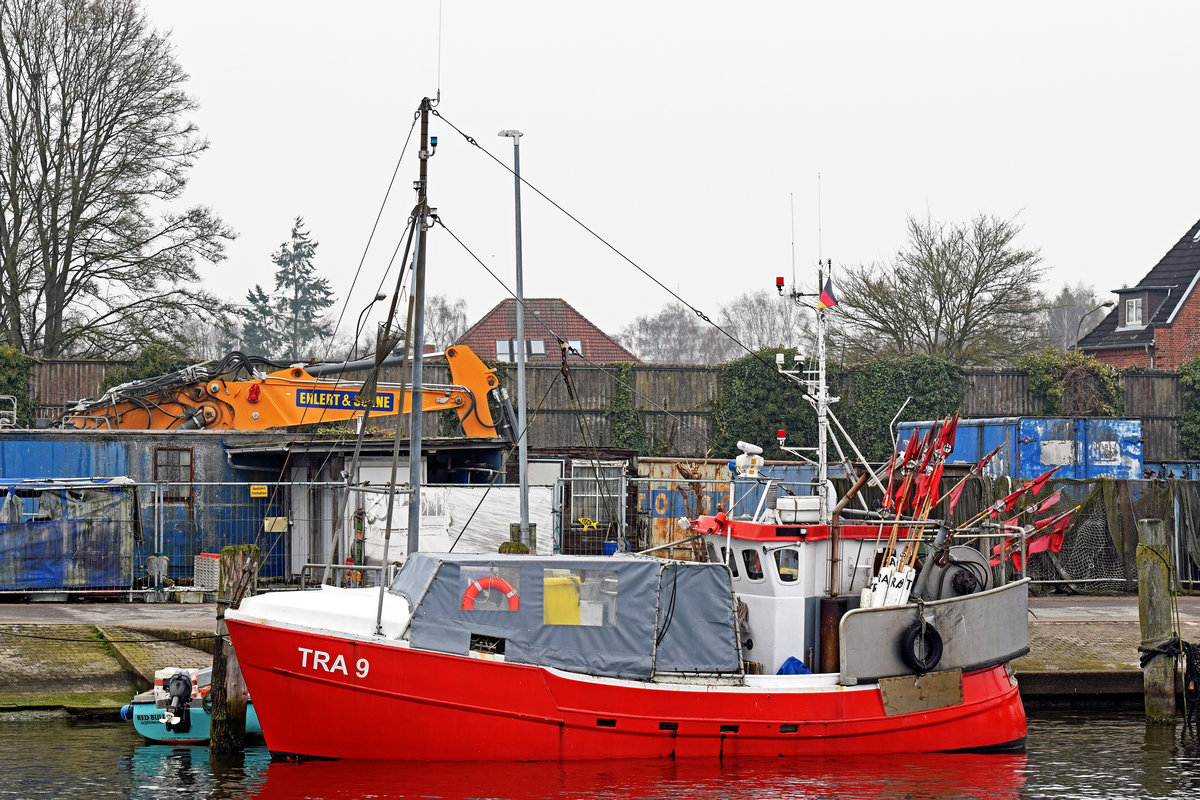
pixel 175 711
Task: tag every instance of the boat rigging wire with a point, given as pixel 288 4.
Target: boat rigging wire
pixel 601 483
pixel 496 475
pixel 283 469
pixel 375 227
pixel 471 140
pixel 562 341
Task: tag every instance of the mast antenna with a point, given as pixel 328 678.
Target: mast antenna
pixel 439 56
pixel 792 208
pixel 818 219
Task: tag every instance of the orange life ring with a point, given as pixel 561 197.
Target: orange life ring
pixel 490 582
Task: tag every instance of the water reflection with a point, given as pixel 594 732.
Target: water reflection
pixel 937 776
pixel 1069 757
pixel 157 770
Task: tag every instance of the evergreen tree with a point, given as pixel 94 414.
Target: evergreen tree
pixel 260 336
pixel 301 296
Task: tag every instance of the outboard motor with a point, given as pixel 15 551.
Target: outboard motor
pixel 179 701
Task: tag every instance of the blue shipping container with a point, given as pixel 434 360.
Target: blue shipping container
pixel 1081 447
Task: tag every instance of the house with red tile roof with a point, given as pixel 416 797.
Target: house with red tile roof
pixel 1157 322
pixel 547 320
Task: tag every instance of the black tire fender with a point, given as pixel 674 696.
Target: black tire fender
pixel 921 655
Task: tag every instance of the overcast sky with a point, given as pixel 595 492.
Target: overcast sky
pixel 678 131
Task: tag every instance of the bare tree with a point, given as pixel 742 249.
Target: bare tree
pixel 1073 310
pixel 445 320
pixel 93 147
pixel 764 319
pixel 675 335
pixel 963 292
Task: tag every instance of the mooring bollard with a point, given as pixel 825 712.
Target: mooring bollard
pixel 227 734
pixel 1154 611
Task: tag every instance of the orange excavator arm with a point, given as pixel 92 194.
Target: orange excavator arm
pixel 197 398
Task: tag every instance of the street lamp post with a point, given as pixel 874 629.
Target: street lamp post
pixel 1079 325
pixel 522 441
pixel 358 327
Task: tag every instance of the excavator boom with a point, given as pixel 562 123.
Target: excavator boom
pixel 194 399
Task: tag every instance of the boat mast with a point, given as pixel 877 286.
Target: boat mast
pixel 423 222
pixel 822 397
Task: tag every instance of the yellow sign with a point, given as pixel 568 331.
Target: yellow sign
pixel 587 523
pixel 258 490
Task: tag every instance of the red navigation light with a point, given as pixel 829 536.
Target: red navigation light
pixel 253 395
pixel 781 435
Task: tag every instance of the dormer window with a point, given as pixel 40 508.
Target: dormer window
pixel 1133 312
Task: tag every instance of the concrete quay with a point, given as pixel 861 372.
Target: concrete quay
pixel 91 658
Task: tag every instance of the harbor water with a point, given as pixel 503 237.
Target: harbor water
pixel 1069 756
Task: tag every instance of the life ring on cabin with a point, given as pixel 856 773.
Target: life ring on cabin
pixel 921 646
pixel 491 582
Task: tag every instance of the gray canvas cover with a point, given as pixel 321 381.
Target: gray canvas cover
pixel 696 633
pixel 606 616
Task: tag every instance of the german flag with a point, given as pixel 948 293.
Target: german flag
pixel 827 300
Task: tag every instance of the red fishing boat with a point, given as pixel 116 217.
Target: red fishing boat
pixel 776 646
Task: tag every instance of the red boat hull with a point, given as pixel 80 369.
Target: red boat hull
pixel 418 705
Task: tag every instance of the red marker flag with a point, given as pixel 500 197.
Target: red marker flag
pixel 955 493
pixel 827 300
pixel 983 462
pixel 1009 502
pixel 1049 502
pixel 1036 485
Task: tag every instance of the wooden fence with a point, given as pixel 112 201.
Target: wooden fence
pixel 677 403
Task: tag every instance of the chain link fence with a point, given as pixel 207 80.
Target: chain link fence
pixel 95 537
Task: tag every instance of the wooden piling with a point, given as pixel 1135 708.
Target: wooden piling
pixel 239 570
pixel 1154 611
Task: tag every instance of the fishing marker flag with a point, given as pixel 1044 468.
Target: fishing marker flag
pixel 827 300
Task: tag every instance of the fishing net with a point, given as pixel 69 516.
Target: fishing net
pixel 1089 553
pixel 1099 547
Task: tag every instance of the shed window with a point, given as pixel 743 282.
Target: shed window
pixel 1133 312
pixel 596 491
pixel 173 467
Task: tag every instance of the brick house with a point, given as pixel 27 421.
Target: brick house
pixel 1156 323
pixel 546 320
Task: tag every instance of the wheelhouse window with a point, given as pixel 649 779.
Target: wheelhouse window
pixel 586 597
pixel 1133 312
pixel 173 466
pixel 754 570
pixel 787 563
pixel 730 562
